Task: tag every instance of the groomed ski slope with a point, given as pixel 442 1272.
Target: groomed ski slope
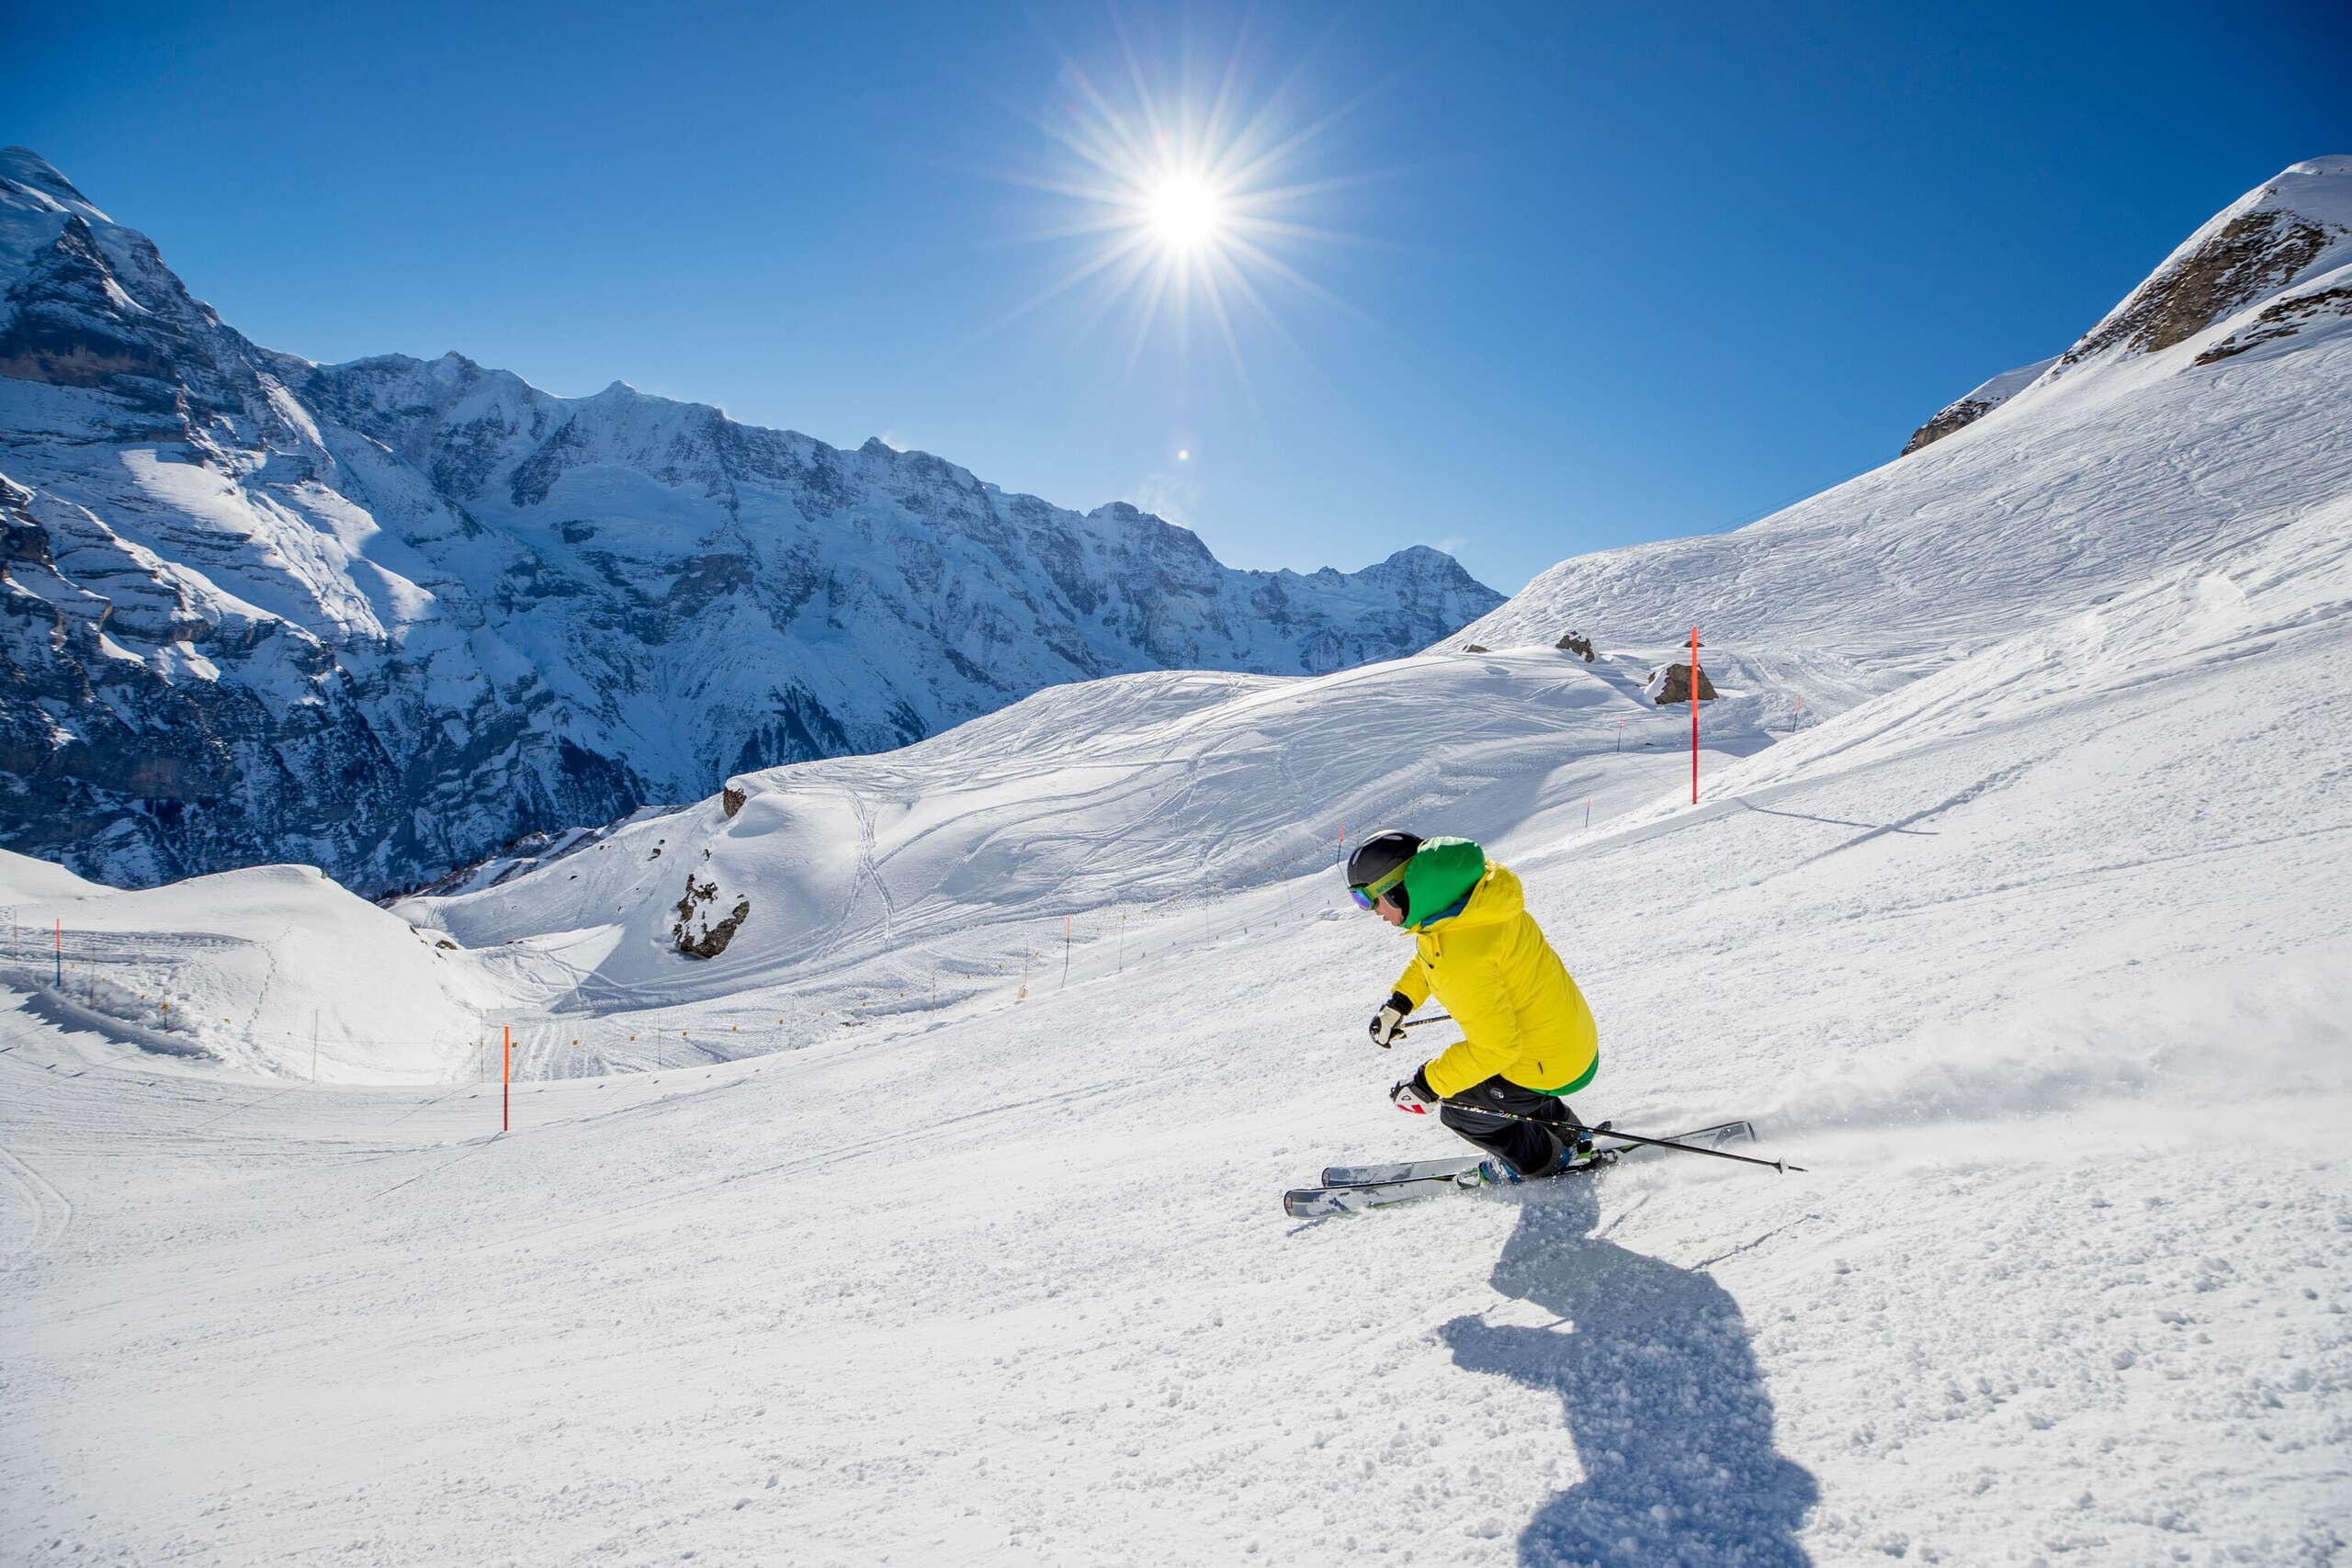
pixel 1137 809
pixel 2039 963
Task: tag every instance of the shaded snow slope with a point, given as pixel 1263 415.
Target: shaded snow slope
pixel 387 616
pixel 2038 965
pixel 2210 406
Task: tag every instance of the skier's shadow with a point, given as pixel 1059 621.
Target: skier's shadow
pixel 1672 1426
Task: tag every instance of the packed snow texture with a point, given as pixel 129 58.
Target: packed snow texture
pixel 2033 946
pixel 389 616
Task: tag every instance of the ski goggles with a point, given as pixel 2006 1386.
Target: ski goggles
pixel 1369 894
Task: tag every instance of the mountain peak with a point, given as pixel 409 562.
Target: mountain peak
pixel 2285 232
pixel 25 167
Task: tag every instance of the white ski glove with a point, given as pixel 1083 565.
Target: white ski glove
pixel 1389 1021
pixel 1415 1095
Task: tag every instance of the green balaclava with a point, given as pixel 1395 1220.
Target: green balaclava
pixel 1440 876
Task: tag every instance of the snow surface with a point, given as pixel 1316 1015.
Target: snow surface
pixel 2034 945
pixel 2000 388
pixel 2040 965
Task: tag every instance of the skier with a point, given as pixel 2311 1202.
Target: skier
pixel 1528 1038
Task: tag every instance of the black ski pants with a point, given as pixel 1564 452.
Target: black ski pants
pixel 1530 1150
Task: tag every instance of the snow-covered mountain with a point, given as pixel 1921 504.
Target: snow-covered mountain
pixel 2210 406
pixel 386 615
pixel 931 1216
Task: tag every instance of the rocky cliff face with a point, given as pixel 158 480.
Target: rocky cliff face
pixel 388 616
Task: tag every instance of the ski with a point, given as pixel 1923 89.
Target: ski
pixel 1354 1198
pixel 1711 1137
pixel 1352 1189
pixel 1407 1170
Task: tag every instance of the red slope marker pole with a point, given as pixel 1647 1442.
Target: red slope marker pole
pixel 506 1078
pixel 1695 715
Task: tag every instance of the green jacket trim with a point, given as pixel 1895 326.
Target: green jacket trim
pixel 1574 1084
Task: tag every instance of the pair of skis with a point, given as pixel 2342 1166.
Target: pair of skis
pixel 1352 1189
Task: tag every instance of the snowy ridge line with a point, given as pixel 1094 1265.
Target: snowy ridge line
pixel 2141 449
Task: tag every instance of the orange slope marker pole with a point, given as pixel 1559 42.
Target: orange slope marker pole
pixel 1695 715
pixel 506 1077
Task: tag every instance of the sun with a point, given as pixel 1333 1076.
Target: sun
pixel 1186 211
pixel 1185 196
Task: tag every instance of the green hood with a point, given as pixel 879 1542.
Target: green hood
pixel 1440 876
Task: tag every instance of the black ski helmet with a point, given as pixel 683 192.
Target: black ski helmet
pixel 1379 855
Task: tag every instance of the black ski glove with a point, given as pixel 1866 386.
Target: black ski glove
pixel 1389 1021
pixel 1415 1094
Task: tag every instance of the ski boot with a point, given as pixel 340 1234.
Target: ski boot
pixel 1576 1148
pixel 1495 1173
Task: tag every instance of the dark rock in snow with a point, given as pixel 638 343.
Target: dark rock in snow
pixel 697 934
pixel 1677 686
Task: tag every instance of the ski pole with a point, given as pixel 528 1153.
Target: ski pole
pixel 1433 1018
pixel 1781 1166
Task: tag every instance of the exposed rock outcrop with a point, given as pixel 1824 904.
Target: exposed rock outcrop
pixel 2283 318
pixel 1674 685
pixel 696 933
pixel 1983 401
pixel 2249 255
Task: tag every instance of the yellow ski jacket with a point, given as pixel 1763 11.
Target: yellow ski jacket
pixel 1519 1013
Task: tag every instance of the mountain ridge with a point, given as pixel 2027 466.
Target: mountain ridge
pixel 387 615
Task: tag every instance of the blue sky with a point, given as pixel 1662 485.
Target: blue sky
pixel 1553 278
